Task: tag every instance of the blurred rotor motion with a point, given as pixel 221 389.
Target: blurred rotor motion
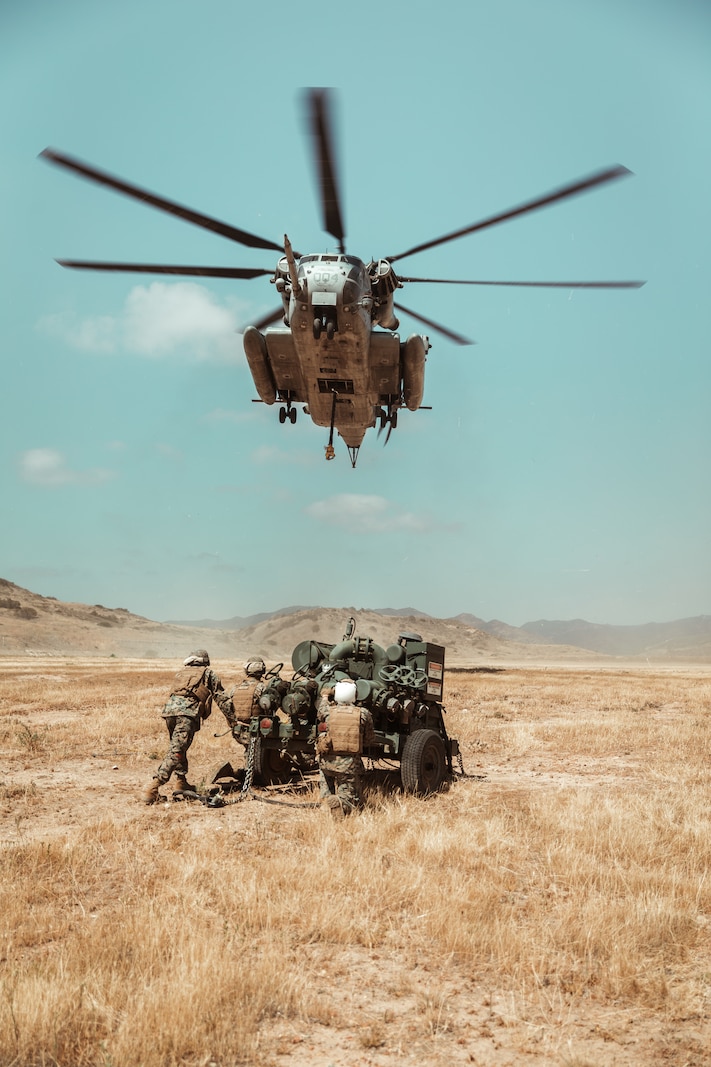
pixel 335 351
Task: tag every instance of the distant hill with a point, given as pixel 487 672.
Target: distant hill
pixel 500 629
pixel 34 624
pixel 31 624
pixel 237 622
pixel 465 645
pixel 243 622
pixel 685 639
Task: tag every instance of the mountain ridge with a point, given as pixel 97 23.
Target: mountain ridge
pixel 34 624
pixel 688 638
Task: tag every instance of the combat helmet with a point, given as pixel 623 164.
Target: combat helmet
pixel 198 658
pixel 255 668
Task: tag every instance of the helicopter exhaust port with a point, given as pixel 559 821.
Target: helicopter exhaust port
pixel 383 283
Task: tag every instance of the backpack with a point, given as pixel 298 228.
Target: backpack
pixel 190 682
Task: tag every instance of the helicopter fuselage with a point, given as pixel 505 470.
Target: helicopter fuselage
pixel 327 355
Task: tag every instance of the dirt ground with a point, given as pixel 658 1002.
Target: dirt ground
pixel 387 1006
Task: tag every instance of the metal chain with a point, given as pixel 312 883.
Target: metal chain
pixel 249 764
pixel 219 800
pixel 472 777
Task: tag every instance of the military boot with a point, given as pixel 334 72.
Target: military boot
pixel 335 809
pixel 182 785
pixel 151 793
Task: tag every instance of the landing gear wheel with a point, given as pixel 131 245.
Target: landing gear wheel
pixel 292 415
pixel 330 329
pixel 424 763
pixel 317 328
pixel 269 767
pixel 282 415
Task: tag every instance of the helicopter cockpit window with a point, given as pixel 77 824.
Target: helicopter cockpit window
pixel 356 272
pixel 334 266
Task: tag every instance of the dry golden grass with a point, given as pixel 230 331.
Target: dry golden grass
pixel 555 908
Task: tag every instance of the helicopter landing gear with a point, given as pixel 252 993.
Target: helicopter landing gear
pixel 288 412
pixel 327 323
pixel 387 418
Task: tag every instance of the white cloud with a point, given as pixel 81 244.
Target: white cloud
pixel 48 468
pixel 99 334
pixel 161 318
pixel 363 513
pixel 158 320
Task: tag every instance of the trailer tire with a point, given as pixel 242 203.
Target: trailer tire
pixel 269 767
pixel 424 763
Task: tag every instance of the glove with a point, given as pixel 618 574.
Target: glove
pixel 323 745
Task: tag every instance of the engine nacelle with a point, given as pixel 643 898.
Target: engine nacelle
pixel 383 283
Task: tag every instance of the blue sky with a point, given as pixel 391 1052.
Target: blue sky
pixel 563 470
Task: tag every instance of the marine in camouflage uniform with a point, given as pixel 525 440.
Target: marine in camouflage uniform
pixel 242 701
pixel 190 701
pixel 339 748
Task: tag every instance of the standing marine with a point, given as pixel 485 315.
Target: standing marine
pixel 344 731
pixel 189 702
pixel 242 701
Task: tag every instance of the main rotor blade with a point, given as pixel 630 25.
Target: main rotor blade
pixel 545 285
pixel 85 170
pixel 159 268
pixel 456 337
pixel 268 319
pixel 582 185
pixel 319 117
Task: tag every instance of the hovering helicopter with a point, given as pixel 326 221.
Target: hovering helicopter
pixel 337 352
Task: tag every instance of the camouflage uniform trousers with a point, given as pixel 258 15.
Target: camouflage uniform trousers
pixel 342 777
pixel 181 729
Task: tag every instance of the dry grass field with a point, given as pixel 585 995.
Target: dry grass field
pixel 553 907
